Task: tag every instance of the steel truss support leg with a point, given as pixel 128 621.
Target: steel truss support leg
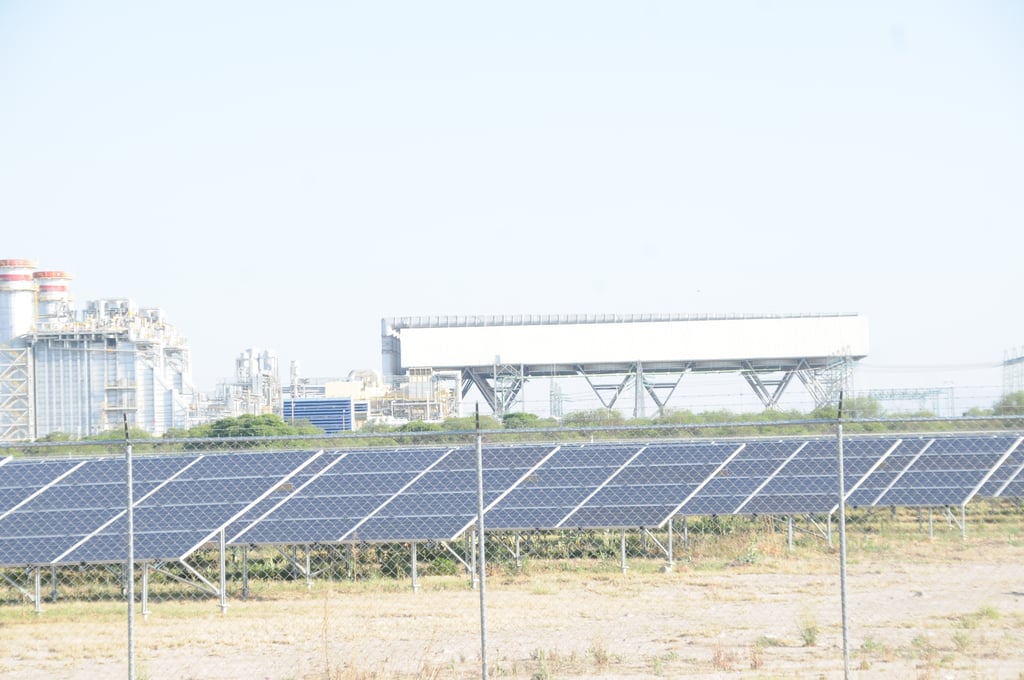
pixel 222 565
pixel 38 596
pixel 499 390
pixel 961 520
pixel 457 556
pixel 646 535
pixel 667 386
pixel 789 532
pixel 300 568
pixel 600 390
pixel 201 583
pixel 671 546
pixel 53 584
pixel 769 397
pixel 413 569
pixel 14 584
pixel 472 559
pixel 145 589
pixel 245 572
pixel 622 552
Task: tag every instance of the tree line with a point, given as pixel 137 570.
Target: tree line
pixel 587 423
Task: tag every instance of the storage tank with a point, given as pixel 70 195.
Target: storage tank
pixel 17 300
pixel 53 295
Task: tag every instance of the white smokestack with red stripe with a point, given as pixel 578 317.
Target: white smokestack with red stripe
pixel 53 295
pixel 17 300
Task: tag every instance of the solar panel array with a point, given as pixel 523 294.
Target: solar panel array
pixel 67 511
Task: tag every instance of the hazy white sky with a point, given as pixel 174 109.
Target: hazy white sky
pixel 284 175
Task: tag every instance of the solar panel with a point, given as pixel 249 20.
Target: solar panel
pixel 310 471
pixel 946 472
pixel 189 509
pixel 57 511
pixel 652 488
pixel 809 482
pixel 556 488
pixel 735 482
pixel 442 503
pixel 1015 489
pixel 886 472
pixel 66 511
pixel 1005 473
pixel 23 477
pixel 332 505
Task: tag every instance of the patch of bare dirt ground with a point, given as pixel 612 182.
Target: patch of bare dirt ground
pixel 918 608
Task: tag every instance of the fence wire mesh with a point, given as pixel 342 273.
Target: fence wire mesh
pixel 608 552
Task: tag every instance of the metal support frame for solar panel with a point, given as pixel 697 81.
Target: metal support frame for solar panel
pixel 18 587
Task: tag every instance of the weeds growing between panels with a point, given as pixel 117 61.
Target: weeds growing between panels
pixel 706 544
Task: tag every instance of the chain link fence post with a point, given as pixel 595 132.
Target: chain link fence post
pixel 842 538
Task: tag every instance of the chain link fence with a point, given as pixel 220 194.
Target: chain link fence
pixel 704 593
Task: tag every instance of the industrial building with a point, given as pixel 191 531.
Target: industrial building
pixel 646 355
pixel 333 416
pixel 254 389
pixel 80 373
pixel 83 373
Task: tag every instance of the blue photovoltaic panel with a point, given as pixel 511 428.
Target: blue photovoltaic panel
pixel 20 478
pixel 316 466
pixel 734 483
pixel 805 484
pixel 557 487
pixel 52 512
pixel 335 502
pixel 809 482
pixel 443 502
pixel 947 472
pixel 650 489
pixel 68 511
pixel 1009 469
pixel 189 509
pixel 887 472
pixel 1015 489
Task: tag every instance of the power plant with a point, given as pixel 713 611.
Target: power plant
pixel 82 373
